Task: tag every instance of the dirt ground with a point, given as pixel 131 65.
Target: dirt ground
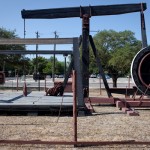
pixel 108 123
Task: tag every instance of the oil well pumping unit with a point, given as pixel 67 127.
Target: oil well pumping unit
pixel 139 68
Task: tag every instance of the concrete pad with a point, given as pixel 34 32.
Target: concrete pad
pixel 35 100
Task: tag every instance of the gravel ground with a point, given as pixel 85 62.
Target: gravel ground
pixel 107 124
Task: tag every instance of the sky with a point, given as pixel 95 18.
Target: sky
pixel 10 16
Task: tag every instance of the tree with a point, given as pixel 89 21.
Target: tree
pixel 41 64
pixel 10 62
pixel 59 66
pixel 116 51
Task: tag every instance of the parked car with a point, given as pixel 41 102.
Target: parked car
pixel 39 76
pixel 48 76
pixel 98 76
pixel 106 76
pixel 93 76
pixel 61 76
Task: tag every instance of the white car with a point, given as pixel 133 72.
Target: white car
pixel 93 76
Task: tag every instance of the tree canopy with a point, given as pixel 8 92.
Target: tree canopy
pixel 13 62
pixel 45 66
pixel 23 65
pixel 116 51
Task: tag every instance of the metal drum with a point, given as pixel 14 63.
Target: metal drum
pixel 140 70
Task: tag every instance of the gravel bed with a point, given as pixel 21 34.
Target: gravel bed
pixel 108 123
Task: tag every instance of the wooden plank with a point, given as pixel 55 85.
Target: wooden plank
pixel 33 41
pixel 76 11
pixel 59 52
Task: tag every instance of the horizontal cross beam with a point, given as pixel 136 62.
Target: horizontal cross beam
pixel 33 41
pixel 60 52
pixel 133 103
pixel 78 11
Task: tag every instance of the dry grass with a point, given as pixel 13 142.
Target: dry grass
pixel 107 124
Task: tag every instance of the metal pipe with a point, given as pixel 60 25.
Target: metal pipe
pixel 17 81
pixel 39 82
pixel 100 84
pixel 58 52
pixel 74 108
pixel 81 143
pixel 45 84
pixel 129 81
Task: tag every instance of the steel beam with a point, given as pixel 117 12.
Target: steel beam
pixel 68 73
pixel 143 29
pixel 119 101
pixel 76 11
pixel 99 100
pixel 98 61
pixel 75 133
pixel 139 103
pixel 85 53
pixel 125 91
pixel 25 52
pixel 33 41
pixel 78 143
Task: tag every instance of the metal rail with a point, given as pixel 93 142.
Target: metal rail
pixel 33 41
pixel 80 143
pixel 35 52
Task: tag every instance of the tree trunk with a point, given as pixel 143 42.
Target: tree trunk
pixel 114 78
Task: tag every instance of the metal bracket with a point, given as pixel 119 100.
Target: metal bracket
pixel 82 13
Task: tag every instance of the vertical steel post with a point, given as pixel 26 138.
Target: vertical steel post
pixel 39 82
pixel 100 85
pixel 77 67
pixel 4 66
pixel 143 29
pixel 17 80
pixel 129 81
pixel 65 55
pixel 36 60
pixel 24 48
pixel 85 51
pixel 54 62
pixel 74 108
pixel 68 73
pixel 45 84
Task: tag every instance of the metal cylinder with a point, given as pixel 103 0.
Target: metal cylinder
pixel 140 70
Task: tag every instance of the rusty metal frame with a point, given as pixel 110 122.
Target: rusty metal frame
pixel 75 141
pixel 33 41
pixel 75 61
pixel 78 143
pixel 74 107
pixel 25 52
